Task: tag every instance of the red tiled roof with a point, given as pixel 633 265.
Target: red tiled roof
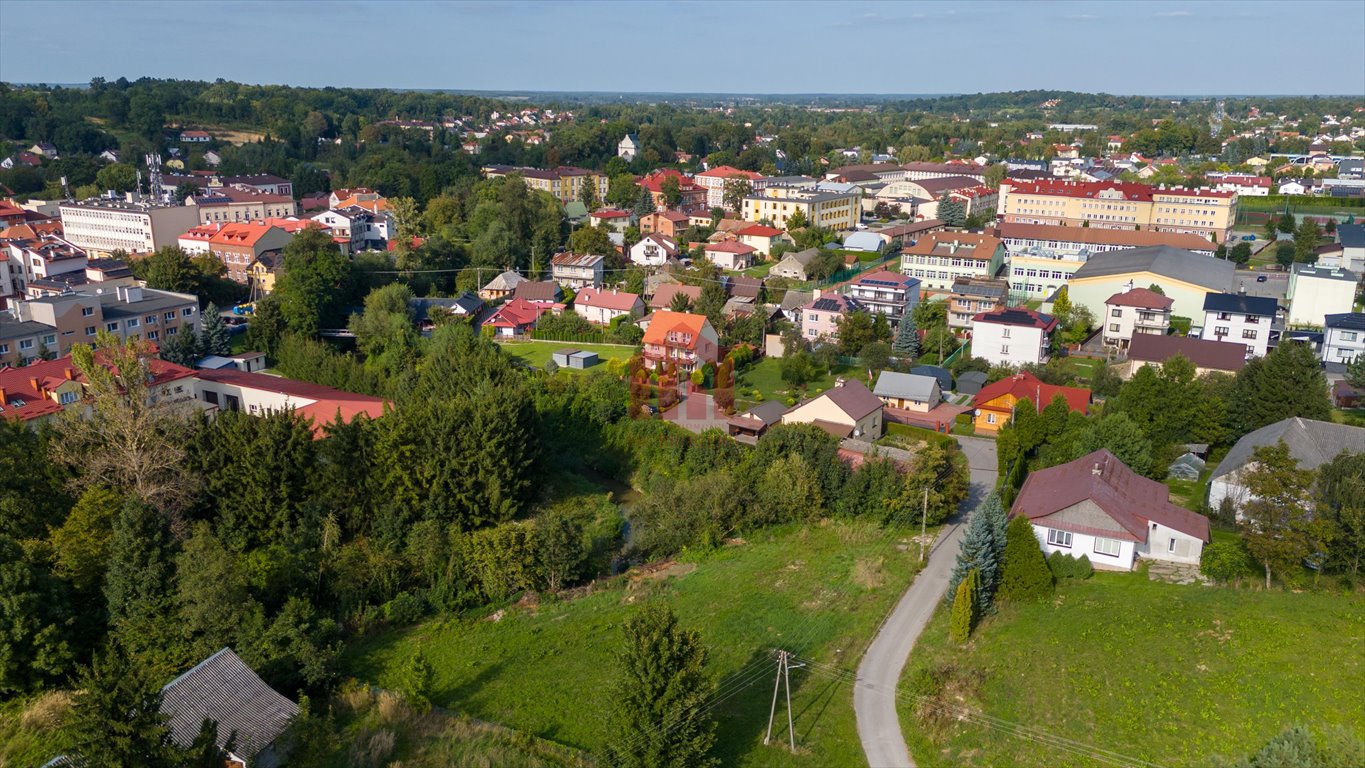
pixel 654 181
pixel 608 213
pixel 246 233
pixel 516 313
pixel 1022 385
pixel 731 246
pixel 1145 298
pixel 758 230
pixel 614 300
pixel 328 402
pixel 1126 497
pixel 730 172
pixel 665 322
pixel 31 383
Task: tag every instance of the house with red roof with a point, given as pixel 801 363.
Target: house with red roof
pixel 601 306
pixel 611 218
pixel 730 254
pixel 239 244
pixel 995 404
pixel 1136 311
pixel 667 223
pixel 1098 507
pixel 515 318
pixel 1013 336
pixel 45 388
pixel 230 389
pixel 693 195
pixel 681 338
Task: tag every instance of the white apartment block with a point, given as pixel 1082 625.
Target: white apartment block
pixel 102 226
pixel 1344 337
pixel 1240 319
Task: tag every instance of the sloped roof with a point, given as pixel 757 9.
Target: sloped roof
pixel 1311 443
pixel 1241 304
pixel 1204 353
pixel 758 230
pixel 1175 263
pixel 1144 298
pixel 905 385
pixel 1129 499
pixel 539 290
pixel 224 689
pixel 1019 316
pixel 1354 321
pixel 506 281
pixel 665 322
pixel 663 295
pixel 516 312
pixel 1022 385
pixel 327 403
pixel 615 300
pixel 853 398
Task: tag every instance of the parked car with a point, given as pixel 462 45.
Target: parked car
pixel 1248 237
pixel 1261 278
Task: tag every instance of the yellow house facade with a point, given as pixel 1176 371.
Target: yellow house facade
pixel 831 210
pixel 1118 205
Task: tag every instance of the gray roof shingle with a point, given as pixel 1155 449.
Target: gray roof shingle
pixel 1175 263
pixel 1311 443
pixel 224 689
pixel 905 385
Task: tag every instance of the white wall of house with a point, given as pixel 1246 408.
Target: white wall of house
pixel 1312 298
pixel 1169 545
pixel 1342 345
pixel 599 315
pixel 823 409
pixel 250 400
pixel 1120 322
pixel 1009 344
pixel 1238 328
pixel 1077 544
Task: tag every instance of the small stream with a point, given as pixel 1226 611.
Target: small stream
pixel 623 496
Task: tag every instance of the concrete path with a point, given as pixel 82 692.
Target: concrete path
pixel 874 697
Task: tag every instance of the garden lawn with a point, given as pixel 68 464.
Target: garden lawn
pixel 547 670
pixel 537 353
pixel 766 377
pixel 1083 368
pixel 1161 672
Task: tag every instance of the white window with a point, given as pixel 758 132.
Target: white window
pixel 1113 327
pixel 990 418
pixel 4 349
pixel 1058 538
pixel 170 315
pixel 51 338
pixel 1116 312
pixel 187 311
pixel 111 327
pixel 1004 350
pixel 87 311
pixel 67 398
pixel 1108 547
pixel 132 322
pixel 26 344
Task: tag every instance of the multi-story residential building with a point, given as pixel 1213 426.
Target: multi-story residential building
pixel 973 295
pixel 40 258
pixel 762 238
pixel 43 389
pixel 101 226
pixel 1080 243
pixel 1183 276
pixel 1120 205
pixel 683 339
pixel 565 182
pixel 693 195
pixel 1136 311
pixel 940 258
pixel 260 182
pixel 1244 186
pixel 9 283
pixel 98 275
pixel 612 219
pixel 1013 336
pixel 1240 319
pixel 577 270
pixel 228 204
pixel 1344 338
pixel 52 324
pixel 885 293
pixel 238 245
pixel 1315 292
pixel 195 242
pixel 823 205
pixel 653 250
pixel 713 181
pixel 668 223
pixel 821 315
pixel 356 229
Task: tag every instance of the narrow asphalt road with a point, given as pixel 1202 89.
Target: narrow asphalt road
pixel 874 694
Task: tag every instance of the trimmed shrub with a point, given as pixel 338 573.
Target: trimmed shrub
pixel 1225 561
pixel 1064 566
pixel 1025 577
pixel 964 604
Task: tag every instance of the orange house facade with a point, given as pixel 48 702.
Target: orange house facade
pixel 995 404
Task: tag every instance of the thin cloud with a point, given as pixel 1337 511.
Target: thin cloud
pixel 1173 14
pixel 1082 17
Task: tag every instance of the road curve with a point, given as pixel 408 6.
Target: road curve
pixel 874 693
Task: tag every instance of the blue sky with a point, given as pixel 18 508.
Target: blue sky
pixel 736 47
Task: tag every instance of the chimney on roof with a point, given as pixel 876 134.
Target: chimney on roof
pixel 70 374
pixel 1242 290
pixel 33 382
pixel 1096 470
pixel 839 382
pixel 3 401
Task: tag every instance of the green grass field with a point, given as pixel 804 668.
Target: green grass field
pixel 537 353
pixel 1166 673
pixel 766 377
pixel 547 670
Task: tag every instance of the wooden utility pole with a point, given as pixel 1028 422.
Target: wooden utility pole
pixel 923 524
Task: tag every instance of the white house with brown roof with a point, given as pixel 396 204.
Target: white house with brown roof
pixel 1098 507
pixel 1013 336
pixel 1135 311
pixel 730 255
pixel 762 238
pixel 654 250
pixel 848 409
pixel 602 306
pixel 939 258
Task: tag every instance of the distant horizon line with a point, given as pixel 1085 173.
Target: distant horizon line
pixel 725 94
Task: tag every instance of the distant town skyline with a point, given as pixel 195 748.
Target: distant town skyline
pixel 1149 48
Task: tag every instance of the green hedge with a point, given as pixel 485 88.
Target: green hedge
pixel 576 338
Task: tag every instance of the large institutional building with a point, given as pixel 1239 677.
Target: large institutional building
pixel 1205 212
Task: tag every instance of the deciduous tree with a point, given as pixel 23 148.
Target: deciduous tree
pixel 1277 518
